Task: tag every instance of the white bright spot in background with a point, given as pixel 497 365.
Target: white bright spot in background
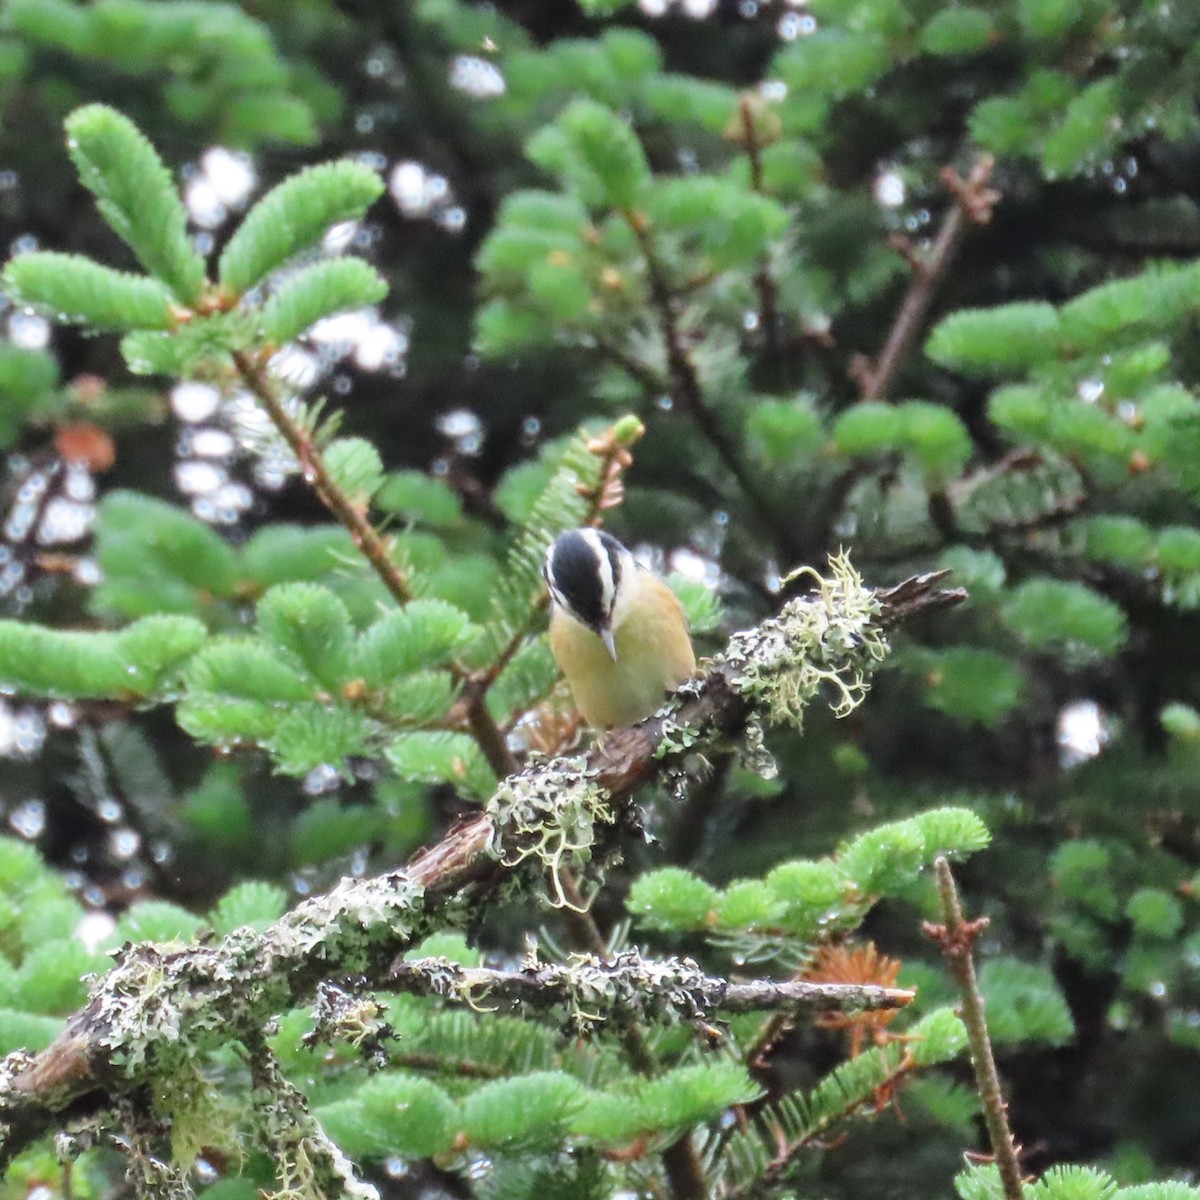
pixel 202 202
pixel 1090 390
pixel 22 732
pixel 27 330
pixel 360 335
pixel 380 345
pixel 28 819
pixel 65 520
pixel 698 9
pixel 94 929
pixel 223 180
pixel 419 192
pixel 407 184
pixel 463 428
pixel 695 566
pixel 296 366
pixel 339 236
pixel 224 505
pixel 196 478
pixel 889 189
pixel 231 175
pixel 477 77
pixel 87 572
pixel 212 443
pixel 195 401
pixel 1081 732
pixel 322 779
pixel 124 843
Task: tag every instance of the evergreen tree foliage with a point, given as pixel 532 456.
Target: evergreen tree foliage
pixel 323 320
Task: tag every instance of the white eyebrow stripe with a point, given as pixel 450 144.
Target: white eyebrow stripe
pixel 603 569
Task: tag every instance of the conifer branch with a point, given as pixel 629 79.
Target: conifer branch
pixel 775 1169
pixel 973 200
pixel 161 1005
pixel 688 393
pixel 956 939
pixel 312 464
pixel 482 726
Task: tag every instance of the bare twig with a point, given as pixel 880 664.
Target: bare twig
pixel 375 550
pixel 956 938
pixel 685 1175
pixel 973 203
pixel 478 718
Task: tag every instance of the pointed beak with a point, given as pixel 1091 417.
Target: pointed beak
pixel 606 636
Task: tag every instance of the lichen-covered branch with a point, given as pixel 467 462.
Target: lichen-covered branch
pixel 164 1006
pixel 590 991
pixel 308 1163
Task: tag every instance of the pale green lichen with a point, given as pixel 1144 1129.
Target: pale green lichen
pixel 197 1113
pixel 346 1016
pixel 827 640
pixel 635 988
pixel 549 813
pixel 344 924
pixel 309 1165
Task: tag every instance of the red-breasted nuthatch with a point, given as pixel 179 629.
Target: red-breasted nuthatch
pixel 617 630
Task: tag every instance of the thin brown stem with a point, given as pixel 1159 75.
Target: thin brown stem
pixel 489 737
pixel 764 282
pixel 685 1174
pixel 973 203
pixel 445 1066
pixel 312 464
pixel 956 938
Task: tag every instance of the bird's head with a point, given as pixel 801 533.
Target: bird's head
pixel 585 571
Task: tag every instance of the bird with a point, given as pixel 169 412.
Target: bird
pixel 618 632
